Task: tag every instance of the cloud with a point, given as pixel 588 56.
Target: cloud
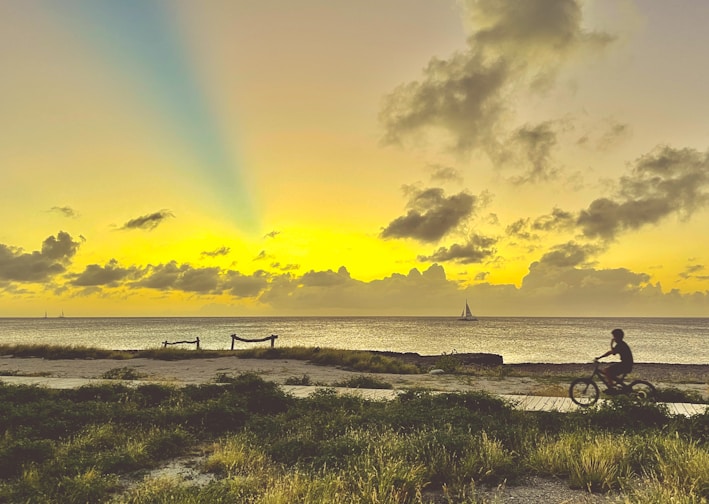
pixel 184 277
pixel 111 275
pixel 431 215
pixel 246 286
pixel 148 222
pixel 557 220
pixel 692 270
pixel 65 211
pixel 445 174
pixel 513 47
pixel 476 250
pixel 221 251
pixel 665 182
pixel 38 266
pixel 333 292
pixel 569 255
pixel 529 150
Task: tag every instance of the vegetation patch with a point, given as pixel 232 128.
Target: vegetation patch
pixel 365 382
pixel 355 360
pixel 97 444
pixel 123 373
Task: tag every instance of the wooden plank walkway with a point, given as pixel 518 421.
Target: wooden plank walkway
pixel 521 402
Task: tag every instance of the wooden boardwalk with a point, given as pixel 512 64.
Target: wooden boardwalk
pixel 521 402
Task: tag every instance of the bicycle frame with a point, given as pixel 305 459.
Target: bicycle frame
pixel 617 385
pixel 585 392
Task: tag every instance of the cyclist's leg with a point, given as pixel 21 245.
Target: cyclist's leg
pixel 611 373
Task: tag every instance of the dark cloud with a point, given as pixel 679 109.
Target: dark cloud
pixel 431 215
pixel 445 174
pixel 666 182
pixel 570 254
pixel 514 46
pixel 111 274
pixel 332 292
pixel 184 277
pixel 65 211
pixel 148 222
pixel 520 229
pixel 327 278
pixel 461 95
pixel 692 270
pixel 38 266
pixel 529 151
pixel 285 267
pixel 221 251
pixel 246 286
pixel 557 220
pixel 476 250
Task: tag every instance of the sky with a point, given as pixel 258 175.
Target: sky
pixel 317 158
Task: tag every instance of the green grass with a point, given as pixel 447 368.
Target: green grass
pixel 354 360
pixel 364 381
pixel 99 443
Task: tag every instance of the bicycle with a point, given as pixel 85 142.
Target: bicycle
pixel 585 391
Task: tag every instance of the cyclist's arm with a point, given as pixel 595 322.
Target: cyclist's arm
pixel 609 352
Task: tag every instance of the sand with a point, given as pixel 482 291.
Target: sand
pixel 535 379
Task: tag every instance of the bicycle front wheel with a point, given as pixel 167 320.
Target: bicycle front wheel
pixel 584 392
pixel 643 390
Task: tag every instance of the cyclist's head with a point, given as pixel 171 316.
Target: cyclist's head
pixel 618 334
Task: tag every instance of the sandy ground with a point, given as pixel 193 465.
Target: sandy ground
pixel 536 379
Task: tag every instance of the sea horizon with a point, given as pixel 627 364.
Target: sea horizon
pixel 679 340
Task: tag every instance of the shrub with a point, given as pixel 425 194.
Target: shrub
pixel 365 382
pixel 295 380
pixel 123 373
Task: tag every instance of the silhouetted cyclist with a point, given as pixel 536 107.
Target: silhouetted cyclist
pixel 621 348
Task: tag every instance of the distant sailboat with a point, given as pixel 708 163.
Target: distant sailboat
pixel 62 315
pixel 467 315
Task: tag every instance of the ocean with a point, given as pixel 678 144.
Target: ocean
pixel 517 339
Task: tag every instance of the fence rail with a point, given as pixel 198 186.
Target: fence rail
pixel 272 337
pixel 195 342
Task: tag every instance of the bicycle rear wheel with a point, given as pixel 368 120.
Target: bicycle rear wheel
pixel 584 392
pixel 643 390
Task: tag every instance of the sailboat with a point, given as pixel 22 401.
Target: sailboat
pixel 467 315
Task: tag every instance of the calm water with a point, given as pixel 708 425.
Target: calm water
pixel 672 340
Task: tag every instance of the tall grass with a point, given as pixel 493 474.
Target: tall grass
pixel 96 444
pixel 355 360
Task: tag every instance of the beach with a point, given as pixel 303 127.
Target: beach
pixel 535 379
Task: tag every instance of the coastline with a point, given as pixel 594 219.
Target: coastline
pixel 528 379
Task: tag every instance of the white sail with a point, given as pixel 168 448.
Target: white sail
pixel 467 315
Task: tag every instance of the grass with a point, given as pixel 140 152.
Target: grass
pixel 97 443
pixel 365 382
pixel 354 360
pixel 123 373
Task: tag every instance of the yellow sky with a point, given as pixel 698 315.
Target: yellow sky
pixel 368 158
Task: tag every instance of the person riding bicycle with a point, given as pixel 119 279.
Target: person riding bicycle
pixel 621 348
